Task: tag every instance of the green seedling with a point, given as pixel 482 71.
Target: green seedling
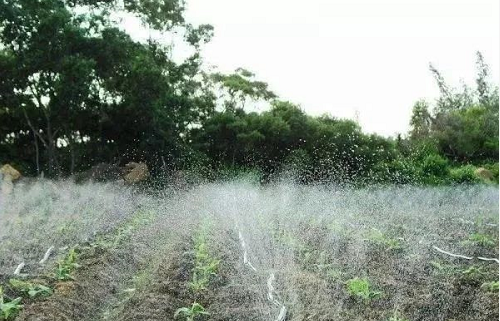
pixel 123 232
pixel 66 266
pixel 382 239
pixel 473 272
pixel 396 316
pixel 361 288
pixel 490 286
pixel 334 274
pixel 9 308
pixel 479 239
pixel 443 268
pixel 189 314
pixel 33 290
pixel 205 266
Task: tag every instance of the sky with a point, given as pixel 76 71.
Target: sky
pixel 360 59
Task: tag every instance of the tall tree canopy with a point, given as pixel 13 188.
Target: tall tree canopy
pixel 464 122
pixel 75 85
pixel 76 90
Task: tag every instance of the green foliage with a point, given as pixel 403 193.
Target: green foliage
pixel 66 266
pixel 205 265
pixel 481 239
pixel 9 308
pixel 464 174
pixel 473 273
pixel 421 121
pixel 490 286
pixel 98 92
pixel 125 231
pixel 384 240
pixel 241 86
pixel 434 168
pixel 443 268
pixel 397 317
pixel 109 95
pixel 361 288
pixel 468 134
pixel 33 290
pixel 191 313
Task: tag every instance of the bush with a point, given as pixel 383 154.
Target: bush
pixel 399 171
pixel 434 169
pixel 435 165
pixel 464 175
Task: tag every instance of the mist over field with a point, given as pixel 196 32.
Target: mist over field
pixel 248 252
pixel 140 182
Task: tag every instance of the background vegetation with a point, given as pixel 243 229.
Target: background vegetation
pixel 76 90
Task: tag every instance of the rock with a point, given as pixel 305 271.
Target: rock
pixel 135 173
pixel 484 173
pixel 9 173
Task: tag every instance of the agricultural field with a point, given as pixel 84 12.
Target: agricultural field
pixel 240 251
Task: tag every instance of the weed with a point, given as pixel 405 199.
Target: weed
pixel 479 239
pixel 334 274
pixel 9 309
pixel 125 232
pixel 32 289
pixel 382 239
pixel 361 288
pixel 192 312
pixel 443 268
pixel 490 286
pixel 66 266
pixel 396 317
pixel 473 272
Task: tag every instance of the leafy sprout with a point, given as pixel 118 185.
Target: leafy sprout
pixel 190 313
pixel 361 288
pixel 9 308
pixel 480 239
pixel 490 286
pixel 66 266
pixel 32 289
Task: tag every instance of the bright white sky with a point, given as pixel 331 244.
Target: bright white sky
pixel 348 57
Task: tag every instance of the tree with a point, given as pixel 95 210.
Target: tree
pixel 421 121
pixel 239 87
pixel 77 85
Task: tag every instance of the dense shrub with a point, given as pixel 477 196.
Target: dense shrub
pixel 464 174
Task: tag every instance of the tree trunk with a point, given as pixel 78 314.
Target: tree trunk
pixel 37 155
pixel 71 143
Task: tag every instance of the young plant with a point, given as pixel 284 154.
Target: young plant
pixel 189 314
pixel 390 244
pixel 397 317
pixel 442 268
pixel 473 272
pixel 66 266
pixel 482 240
pixel 205 266
pixel 490 286
pixel 361 288
pixel 9 309
pixel 33 290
